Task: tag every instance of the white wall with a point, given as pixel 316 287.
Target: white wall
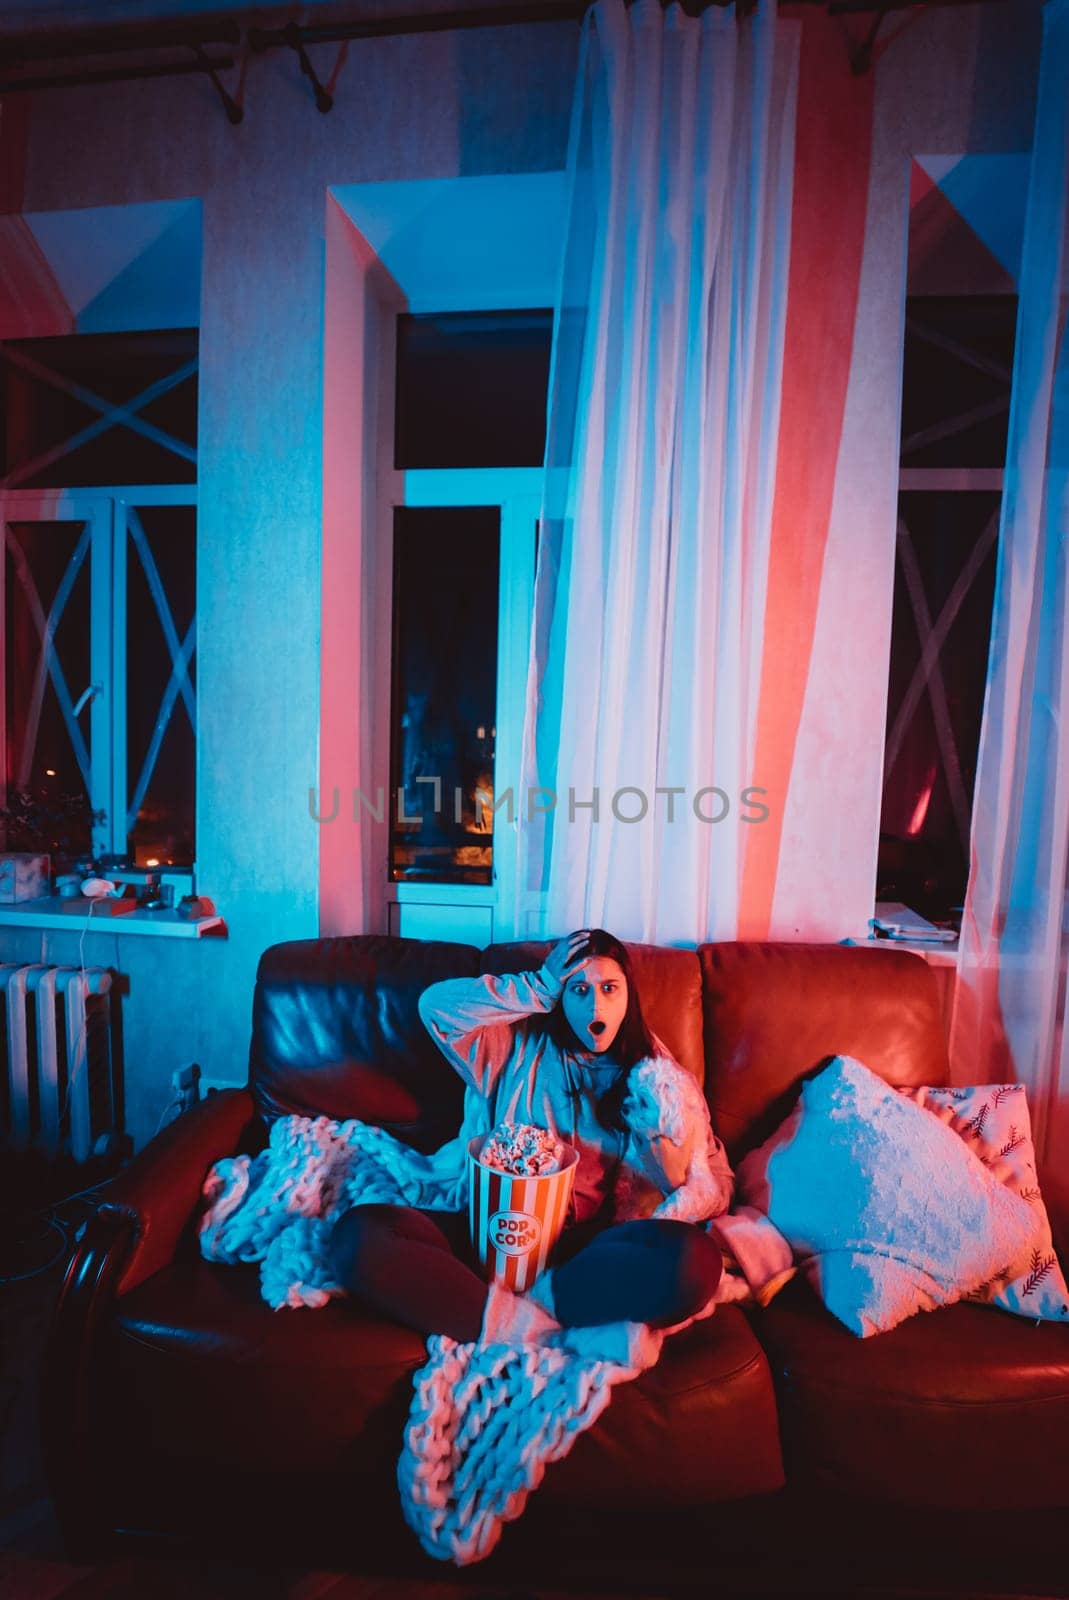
pixel 486 101
pixel 949 81
pixel 492 100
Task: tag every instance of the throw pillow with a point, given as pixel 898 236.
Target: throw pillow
pixel 887 1210
pixel 993 1120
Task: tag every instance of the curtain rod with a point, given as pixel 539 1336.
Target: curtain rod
pixel 537 11
pixel 86 48
pixel 54 45
pixel 104 41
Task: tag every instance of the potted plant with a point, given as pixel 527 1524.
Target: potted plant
pixel 60 826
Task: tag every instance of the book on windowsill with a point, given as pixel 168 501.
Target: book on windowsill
pixel 896 921
pixel 103 906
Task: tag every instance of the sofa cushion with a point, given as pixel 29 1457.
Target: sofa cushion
pixel 325 1006
pixel 774 1012
pixel 966 1407
pixel 352 1088
pixel 195 1356
pixel 669 984
pixel 994 1121
pixel 698 1427
pixel 199 1362
pixel 886 1208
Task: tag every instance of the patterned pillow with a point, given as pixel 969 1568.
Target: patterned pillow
pixel 888 1212
pixel 993 1120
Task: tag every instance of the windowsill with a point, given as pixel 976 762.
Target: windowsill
pixel 47 912
pixel 937 953
pixel 422 889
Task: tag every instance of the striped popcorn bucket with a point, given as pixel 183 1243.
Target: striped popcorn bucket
pixel 515 1222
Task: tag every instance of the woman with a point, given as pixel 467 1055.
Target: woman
pixel 565 1048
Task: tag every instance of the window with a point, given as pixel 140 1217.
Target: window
pixel 48 586
pixel 445 588
pixel 955 407
pixel 471 389
pixel 99 582
pixel 159 780
pixel 470 435
pixel 99 409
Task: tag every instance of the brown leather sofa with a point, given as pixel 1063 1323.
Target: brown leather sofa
pixel 766 1448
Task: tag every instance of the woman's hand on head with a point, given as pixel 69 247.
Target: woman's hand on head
pixel 563 958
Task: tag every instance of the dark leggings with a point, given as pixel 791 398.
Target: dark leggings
pixel 412 1267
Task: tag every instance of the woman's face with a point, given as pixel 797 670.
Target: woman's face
pixel 595 1002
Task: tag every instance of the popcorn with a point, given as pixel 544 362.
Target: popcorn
pixel 521 1186
pixel 522 1150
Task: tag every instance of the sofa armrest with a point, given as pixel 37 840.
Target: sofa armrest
pixel 132 1235
pixel 158 1193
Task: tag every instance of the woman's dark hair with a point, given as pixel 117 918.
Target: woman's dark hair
pixel 634 1041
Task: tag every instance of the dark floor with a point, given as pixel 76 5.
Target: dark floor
pixel 35 1236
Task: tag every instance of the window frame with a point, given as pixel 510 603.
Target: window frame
pixel 944 481
pixel 106 511
pixel 516 492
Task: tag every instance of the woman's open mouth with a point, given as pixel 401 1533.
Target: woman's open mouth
pixel 597 1028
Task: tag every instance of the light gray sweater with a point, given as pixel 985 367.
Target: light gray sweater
pixel 493 1031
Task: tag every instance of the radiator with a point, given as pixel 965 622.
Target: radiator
pixel 57 1042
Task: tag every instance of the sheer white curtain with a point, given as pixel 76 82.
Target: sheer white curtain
pixel 1009 1008
pixel 661 458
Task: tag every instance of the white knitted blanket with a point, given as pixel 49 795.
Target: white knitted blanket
pixel 486 1418
pixel 278 1207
